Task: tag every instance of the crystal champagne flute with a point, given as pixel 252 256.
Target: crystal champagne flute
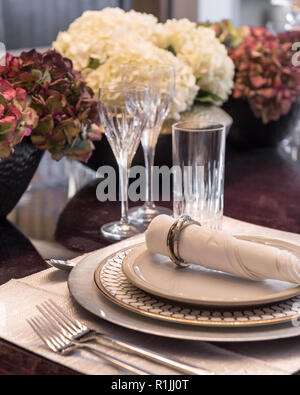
pixel 161 83
pixel 123 114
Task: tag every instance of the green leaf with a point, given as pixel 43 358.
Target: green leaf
pixel 170 48
pixel 93 63
pixel 45 126
pixel 2 100
pixel 6 127
pixel 207 97
pixel 37 75
pixel 46 77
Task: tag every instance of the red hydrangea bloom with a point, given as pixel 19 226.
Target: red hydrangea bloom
pixel 265 74
pixel 63 102
pixel 17 118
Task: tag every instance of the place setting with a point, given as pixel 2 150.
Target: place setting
pixel 249 301
pixel 188 273
pixel 148 196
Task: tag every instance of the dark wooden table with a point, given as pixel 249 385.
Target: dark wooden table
pixel 262 187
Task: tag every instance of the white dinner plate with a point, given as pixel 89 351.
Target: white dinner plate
pixel 196 285
pixel 83 289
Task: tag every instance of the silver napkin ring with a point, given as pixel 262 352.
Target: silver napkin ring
pixel 173 238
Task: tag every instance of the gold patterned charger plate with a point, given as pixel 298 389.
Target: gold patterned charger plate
pixel 115 286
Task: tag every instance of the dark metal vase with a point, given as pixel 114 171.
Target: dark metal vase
pixel 248 131
pixel 16 172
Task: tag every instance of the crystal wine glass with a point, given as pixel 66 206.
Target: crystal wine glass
pixel 161 83
pixel 124 115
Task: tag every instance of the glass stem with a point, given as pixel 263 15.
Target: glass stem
pixel 149 153
pixel 123 176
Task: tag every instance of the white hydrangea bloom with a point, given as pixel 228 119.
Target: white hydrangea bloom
pixel 90 36
pixel 115 38
pixel 100 42
pixel 199 47
pixel 129 49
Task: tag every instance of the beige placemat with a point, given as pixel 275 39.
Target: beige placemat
pixel 19 297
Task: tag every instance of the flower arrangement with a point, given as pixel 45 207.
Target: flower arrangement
pixel 100 42
pixel 44 98
pixel 50 102
pixel 265 75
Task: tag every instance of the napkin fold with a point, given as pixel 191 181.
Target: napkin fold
pixel 219 250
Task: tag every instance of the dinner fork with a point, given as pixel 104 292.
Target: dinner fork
pixel 62 345
pixel 75 330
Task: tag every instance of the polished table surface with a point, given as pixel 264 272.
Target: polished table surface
pixel 262 187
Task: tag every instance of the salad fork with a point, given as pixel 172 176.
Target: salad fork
pixel 75 330
pixel 60 344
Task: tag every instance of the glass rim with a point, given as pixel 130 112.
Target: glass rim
pixel 215 126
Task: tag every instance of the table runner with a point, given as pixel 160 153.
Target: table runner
pixel 19 297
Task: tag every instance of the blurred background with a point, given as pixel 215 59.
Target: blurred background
pixel 32 23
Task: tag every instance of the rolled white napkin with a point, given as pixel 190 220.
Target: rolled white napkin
pixel 218 250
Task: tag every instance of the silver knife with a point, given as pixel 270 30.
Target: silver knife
pixel 61 264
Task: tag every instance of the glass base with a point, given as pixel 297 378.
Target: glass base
pixel 145 214
pixel 119 230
